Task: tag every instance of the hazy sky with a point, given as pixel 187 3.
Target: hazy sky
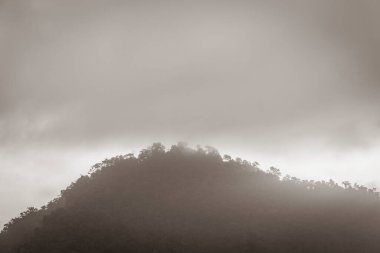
pixel 294 84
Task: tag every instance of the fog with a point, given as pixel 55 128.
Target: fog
pixel 294 84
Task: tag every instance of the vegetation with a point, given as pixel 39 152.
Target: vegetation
pixel 185 200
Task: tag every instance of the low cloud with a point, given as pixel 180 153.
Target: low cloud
pixel 272 79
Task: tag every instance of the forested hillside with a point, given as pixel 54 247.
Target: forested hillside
pixel 186 200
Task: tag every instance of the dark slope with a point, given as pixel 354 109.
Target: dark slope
pixel 186 200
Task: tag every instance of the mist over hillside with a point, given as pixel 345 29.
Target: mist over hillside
pixel 195 200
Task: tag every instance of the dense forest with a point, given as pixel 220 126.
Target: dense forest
pixel 195 200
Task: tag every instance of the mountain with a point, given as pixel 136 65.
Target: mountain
pixel 186 200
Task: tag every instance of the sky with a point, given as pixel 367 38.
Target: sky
pixel 291 84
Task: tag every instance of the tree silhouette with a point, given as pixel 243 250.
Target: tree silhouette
pixel 193 200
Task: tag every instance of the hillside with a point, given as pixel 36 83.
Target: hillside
pixel 185 200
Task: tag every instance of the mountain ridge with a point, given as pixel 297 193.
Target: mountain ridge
pixel 195 200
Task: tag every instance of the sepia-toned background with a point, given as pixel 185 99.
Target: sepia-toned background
pixel 293 84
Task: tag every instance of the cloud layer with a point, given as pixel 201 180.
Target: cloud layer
pixel 285 81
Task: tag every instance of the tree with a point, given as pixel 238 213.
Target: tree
pixel 347 184
pixel 274 171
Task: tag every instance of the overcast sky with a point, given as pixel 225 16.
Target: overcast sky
pixel 293 84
